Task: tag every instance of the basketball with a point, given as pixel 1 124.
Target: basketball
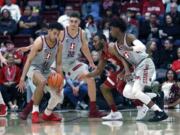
pixel 55 80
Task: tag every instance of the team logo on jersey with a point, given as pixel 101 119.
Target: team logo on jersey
pixel 71 51
pixel 47 54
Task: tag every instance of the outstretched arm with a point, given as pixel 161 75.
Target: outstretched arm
pixel 25 49
pixel 2 59
pixel 86 51
pixel 59 59
pixel 34 51
pixel 98 70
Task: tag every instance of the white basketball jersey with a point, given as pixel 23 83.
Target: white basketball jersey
pixel 132 57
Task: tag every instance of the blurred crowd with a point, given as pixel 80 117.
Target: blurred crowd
pixel 155 22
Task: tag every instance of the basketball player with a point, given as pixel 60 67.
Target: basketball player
pixel 131 50
pixel 74 41
pixel 44 51
pixel 112 81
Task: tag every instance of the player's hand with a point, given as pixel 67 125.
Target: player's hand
pixel 92 65
pixel 21 86
pixel 76 91
pixel 3 61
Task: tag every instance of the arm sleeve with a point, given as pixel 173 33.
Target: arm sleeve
pixel 138 46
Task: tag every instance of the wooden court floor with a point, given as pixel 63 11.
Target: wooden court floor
pixel 77 123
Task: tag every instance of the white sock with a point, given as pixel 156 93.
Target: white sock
pixel 1 99
pixel 35 108
pixel 156 108
pixel 48 112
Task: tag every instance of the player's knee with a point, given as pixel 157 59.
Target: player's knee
pixel 42 82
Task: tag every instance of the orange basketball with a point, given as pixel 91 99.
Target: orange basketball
pixel 55 80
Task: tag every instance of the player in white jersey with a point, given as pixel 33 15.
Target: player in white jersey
pixel 44 51
pixel 74 41
pixel 132 51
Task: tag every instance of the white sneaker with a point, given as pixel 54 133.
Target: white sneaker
pixel 113 124
pixel 142 110
pixel 113 116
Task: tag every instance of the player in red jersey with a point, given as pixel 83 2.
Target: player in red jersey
pixel 114 80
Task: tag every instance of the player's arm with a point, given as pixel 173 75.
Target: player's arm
pixel 98 70
pixel 36 47
pixel 85 49
pixel 59 59
pixel 2 59
pixel 25 49
pixel 135 44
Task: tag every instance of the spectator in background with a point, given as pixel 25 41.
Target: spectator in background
pixel 91 7
pixel 64 19
pixel 153 51
pixel 91 25
pixel 144 29
pixel 76 92
pixel 28 23
pixel 167 54
pixel 153 6
pixel 169 4
pixel 154 26
pixel 2 2
pixel 10 74
pixel 133 29
pixel 8 26
pixel 175 14
pixel 171 88
pixel 111 4
pixel 169 29
pixel 176 63
pixel 133 5
pixel 17 56
pixel 14 10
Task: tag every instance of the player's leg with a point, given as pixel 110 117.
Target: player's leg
pixel 77 69
pixel 114 114
pixel 28 108
pixel 106 89
pixel 55 98
pixel 40 81
pixel 145 74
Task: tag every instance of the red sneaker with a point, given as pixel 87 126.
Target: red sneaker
pixel 96 114
pixel 51 117
pixel 3 110
pixel 23 115
pixel 35 117
pixel 26 111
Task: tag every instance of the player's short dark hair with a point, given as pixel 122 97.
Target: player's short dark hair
pixel 101 36
pixel 76 15
pixel 55 25
pixel 119 23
